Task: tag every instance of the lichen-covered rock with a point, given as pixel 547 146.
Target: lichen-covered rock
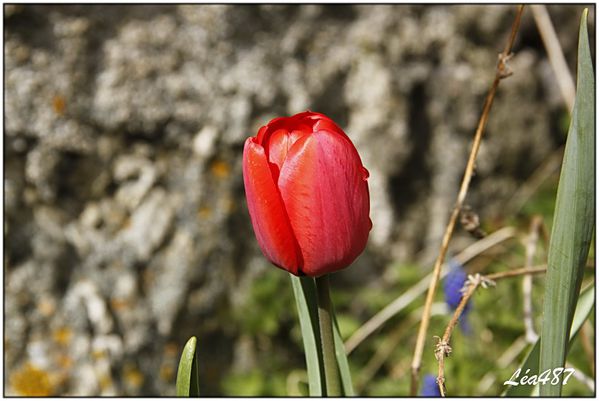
pixel 126 229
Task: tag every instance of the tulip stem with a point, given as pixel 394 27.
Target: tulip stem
pixel 325 318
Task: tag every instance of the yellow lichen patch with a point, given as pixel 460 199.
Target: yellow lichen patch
pixel 63 336
pixel 228 205
pixel 220 169
pixel 64 362
pixel 46 306
pixel 204 213
pixel 98 354
pixel 133 376
pixel 105 382
pixel 126 223
pixel 119 304
pixel 167 372
pixel 31 381
pixel 59 105
pixel 171 349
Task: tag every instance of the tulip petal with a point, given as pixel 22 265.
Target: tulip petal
pixel 261 133
pixel 325 124
pixel 324 189
pixel 269 218
pixel 278 145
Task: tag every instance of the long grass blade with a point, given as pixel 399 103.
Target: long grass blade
pixel 304 290
pixel 531 363
pixel 344 372
pixel 573 220
pixel 187 374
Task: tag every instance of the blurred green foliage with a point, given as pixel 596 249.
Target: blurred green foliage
pixel 267 306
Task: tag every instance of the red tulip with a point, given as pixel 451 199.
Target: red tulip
pixel 307 194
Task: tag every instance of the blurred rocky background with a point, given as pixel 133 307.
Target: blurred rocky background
pixel 125 224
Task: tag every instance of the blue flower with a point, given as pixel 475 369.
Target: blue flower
pixel 430 388
pixel 453 283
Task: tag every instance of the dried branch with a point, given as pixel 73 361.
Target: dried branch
pixel 443 349
pixel 555 54
pixel 531 248
pixel 581 377
pixel 517 272
pixel 565 82
pixel 532 184
pixel 502 71
pixel 587 346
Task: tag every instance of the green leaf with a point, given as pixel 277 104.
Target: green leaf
pixel 304 290
pixel 188 384
pixel 346 382
pixel 573 220
pixel 531 363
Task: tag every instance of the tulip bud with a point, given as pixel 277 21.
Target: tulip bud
pixel 307 194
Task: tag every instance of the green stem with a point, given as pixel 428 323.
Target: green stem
pixel 325 311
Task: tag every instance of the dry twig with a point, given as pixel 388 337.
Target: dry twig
pixel 555 53
pixel 581 377
pixel 443 349
pixel 566 84
pixel 502 71
pixel 547 168
pixel 587 345
pixel 517 272
pixel 531 248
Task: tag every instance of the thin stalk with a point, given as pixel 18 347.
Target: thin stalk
pixel 325 310
pixel 502 72
pixel 531 249
pixel 587 346
pixel 555 54
pixel 443 349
